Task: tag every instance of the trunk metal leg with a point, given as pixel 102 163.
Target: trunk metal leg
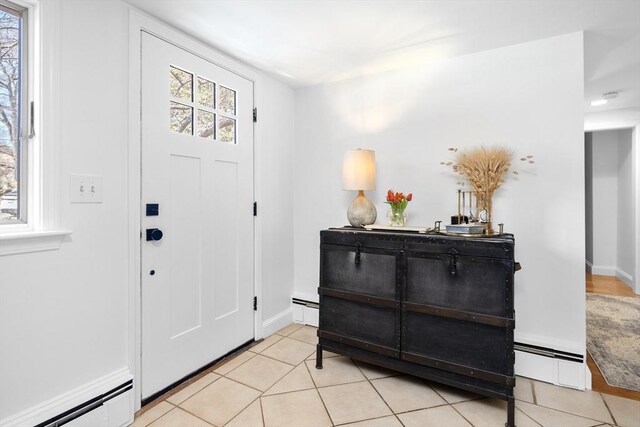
pixel 318 356
pixel 511 412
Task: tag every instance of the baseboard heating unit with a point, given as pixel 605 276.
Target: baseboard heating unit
pixel 548 352
pixel 86 407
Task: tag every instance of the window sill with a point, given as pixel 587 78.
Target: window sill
pixel 32 241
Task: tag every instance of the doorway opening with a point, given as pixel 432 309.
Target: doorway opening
pixel 611 254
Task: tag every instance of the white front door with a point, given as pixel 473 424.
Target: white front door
pixel 197 219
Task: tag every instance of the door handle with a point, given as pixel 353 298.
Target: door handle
pixel 154 234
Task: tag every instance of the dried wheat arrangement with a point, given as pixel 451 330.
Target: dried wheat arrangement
pixel 485 169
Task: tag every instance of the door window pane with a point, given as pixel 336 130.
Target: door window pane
pixel 206 124
pixel 227 101
pixel 180 84
pixel 226 130
pixel 206 92
pixel 181 118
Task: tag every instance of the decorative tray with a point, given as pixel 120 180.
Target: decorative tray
pixel 396 228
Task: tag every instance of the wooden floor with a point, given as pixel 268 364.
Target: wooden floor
pixel 607 285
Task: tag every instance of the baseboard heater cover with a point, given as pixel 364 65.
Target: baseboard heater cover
pixel 548 352
pixel 306 303
pixel 87 406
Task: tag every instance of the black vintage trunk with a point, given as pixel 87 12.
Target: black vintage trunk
pixel 434 306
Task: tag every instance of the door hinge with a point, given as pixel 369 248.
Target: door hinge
pixel 255 115
pixel 255 208
pixel 255 303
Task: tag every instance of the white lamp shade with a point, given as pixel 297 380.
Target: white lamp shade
pixel 359 170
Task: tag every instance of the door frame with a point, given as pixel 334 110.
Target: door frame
pixel 138 22
pixel 634 126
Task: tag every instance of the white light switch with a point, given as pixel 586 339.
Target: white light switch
pixel 86 189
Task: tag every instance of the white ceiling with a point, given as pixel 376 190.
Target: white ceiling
pixel 309 42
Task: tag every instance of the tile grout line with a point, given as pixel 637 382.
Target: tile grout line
pixel 241 411
pixel 569 413
pixel 264 423
pixel 318 391
pixel 460 413
pixel 156 419
pixel 225 374
pixel 374 387
pixel 191 413
pixel 606 405
pixel 193 394
pixel 281 361
pixel 533 393
pixel 528 416
pixel 252 387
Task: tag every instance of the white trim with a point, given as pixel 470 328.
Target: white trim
pixel 546 342
pixel 139 21
pixel 277 322
pixel 603 270
pixel 259 328
pixel 588 266
pixel 305 314
pixel 44 151
pixel 68 400
pixel 611 125
pixel 48 125
pixel 624 276
pixel 635 150
pixel 32 241
pixel 555 371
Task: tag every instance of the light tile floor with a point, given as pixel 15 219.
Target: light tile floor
pixel 275 383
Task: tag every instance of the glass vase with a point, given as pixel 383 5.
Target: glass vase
pixel 396 216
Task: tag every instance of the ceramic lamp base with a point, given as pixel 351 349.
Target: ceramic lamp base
pixel 361 212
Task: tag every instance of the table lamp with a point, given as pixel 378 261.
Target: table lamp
pixel 359 174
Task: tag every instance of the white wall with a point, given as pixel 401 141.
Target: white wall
pixel 64 313
pixel 528 97
pixel 604 209
pixel 274 177
pixel 626 247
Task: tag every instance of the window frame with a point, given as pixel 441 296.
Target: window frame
pixel 42 231
pixel 24 160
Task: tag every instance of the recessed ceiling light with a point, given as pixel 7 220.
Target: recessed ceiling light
pixel 598 102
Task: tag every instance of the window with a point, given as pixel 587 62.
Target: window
pixel 13 113
pixel 187 99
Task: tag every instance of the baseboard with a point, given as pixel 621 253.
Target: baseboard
pixel 277 322
pixel 66 401
pixel 603 270
pixel 306 312
pixel 625 277
pixel 553 361
pixel 589 266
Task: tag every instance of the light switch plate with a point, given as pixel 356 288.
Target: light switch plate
pixel 86 189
